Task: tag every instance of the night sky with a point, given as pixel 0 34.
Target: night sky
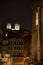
pixel 17 11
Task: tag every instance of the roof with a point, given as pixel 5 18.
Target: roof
pixel 7 34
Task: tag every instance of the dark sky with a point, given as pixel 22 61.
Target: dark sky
pixel 17 11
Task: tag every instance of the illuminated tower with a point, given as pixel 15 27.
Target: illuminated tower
pixel 37 31
pixel 8 26
pixel 17 26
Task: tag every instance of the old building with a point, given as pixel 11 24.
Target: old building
pixel 15 46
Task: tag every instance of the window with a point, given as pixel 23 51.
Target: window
pixel 8 43
pixel 14 48
pixel 17 42
pixel 14 42
pixel 21 43
pixel 11 42
pixel 21 54
pixel 5 43
pixel 22 48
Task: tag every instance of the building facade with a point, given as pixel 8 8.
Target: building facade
pixel 37 31
pixel 13 47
